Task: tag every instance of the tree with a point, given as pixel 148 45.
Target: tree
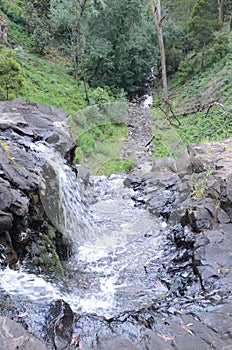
pixel 11 79
pixel 74 17
pixel 204 21
pixel 227 11
pixel 121 45
pixel 221 10
pixel 180 10
pixel 37 23
pixel 156 12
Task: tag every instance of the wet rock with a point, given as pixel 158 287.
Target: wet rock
pixel 12 200
pixel 60 325
pixel 42 122
pixel 10 255
pixel 83 173
pixel 202 215
pixel 16 164
pixel 214 259
pixel 14 337
pixel 22 125
pixel 5 221
pixel 138 145
pixel 117 343
pixel 226 195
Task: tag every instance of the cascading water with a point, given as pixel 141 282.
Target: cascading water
pixel 109 219
pixel 114 241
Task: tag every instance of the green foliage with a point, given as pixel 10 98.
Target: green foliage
pixel 121 45
pixel 166 140
pixel 99 148
pixel 173 34
pixel 204 21
pixel 116 166
pixel 195 62
pixel 199 186
pixel 99 96
pixel 47 82
pixel 13 10
pixel 180 10
pixel 11 79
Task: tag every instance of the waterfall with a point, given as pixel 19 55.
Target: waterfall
pixel 64 198
pixel 110 221
pixel 113 240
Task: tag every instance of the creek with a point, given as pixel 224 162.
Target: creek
pixel 135 278
pixel 113 242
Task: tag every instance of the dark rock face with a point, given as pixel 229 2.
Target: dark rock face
pixel 60 324
pixel 22 217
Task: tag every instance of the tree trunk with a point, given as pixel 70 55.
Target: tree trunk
pixel 86 91
pixel 220 11
pixel 158 23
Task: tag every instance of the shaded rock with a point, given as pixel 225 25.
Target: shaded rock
pixel 14 337
pixel 197 165
pixel 60 324
pixel 18 167
pixel 22 125
pixel 132 181
pixel 214 259
pixel 202 215
pixel 12 200
pixel 226 196
pixel 223 217
pixel 11 257
pixel 5 221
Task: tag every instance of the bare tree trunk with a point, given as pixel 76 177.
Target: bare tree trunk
pixel 158 23
pixel 220 11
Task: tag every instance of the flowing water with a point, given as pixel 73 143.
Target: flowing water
pixel 113 243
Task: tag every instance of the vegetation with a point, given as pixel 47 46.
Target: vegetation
pixel 11 79
pixel 203 107
pixel 72 54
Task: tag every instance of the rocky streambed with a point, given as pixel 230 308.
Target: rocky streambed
pixel 167 287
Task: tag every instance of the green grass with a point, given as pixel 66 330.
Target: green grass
pixel 99 149
pixel 213 85
pixel 116 166
pixel 47 82
pixel 99 130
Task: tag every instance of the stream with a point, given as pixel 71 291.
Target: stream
pixel 113 242
pixel 135 278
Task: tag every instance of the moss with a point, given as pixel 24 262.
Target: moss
pixel 56 261
pixel 4 146
pixel 5 305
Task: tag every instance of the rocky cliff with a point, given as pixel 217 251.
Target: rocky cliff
pixel 22 217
